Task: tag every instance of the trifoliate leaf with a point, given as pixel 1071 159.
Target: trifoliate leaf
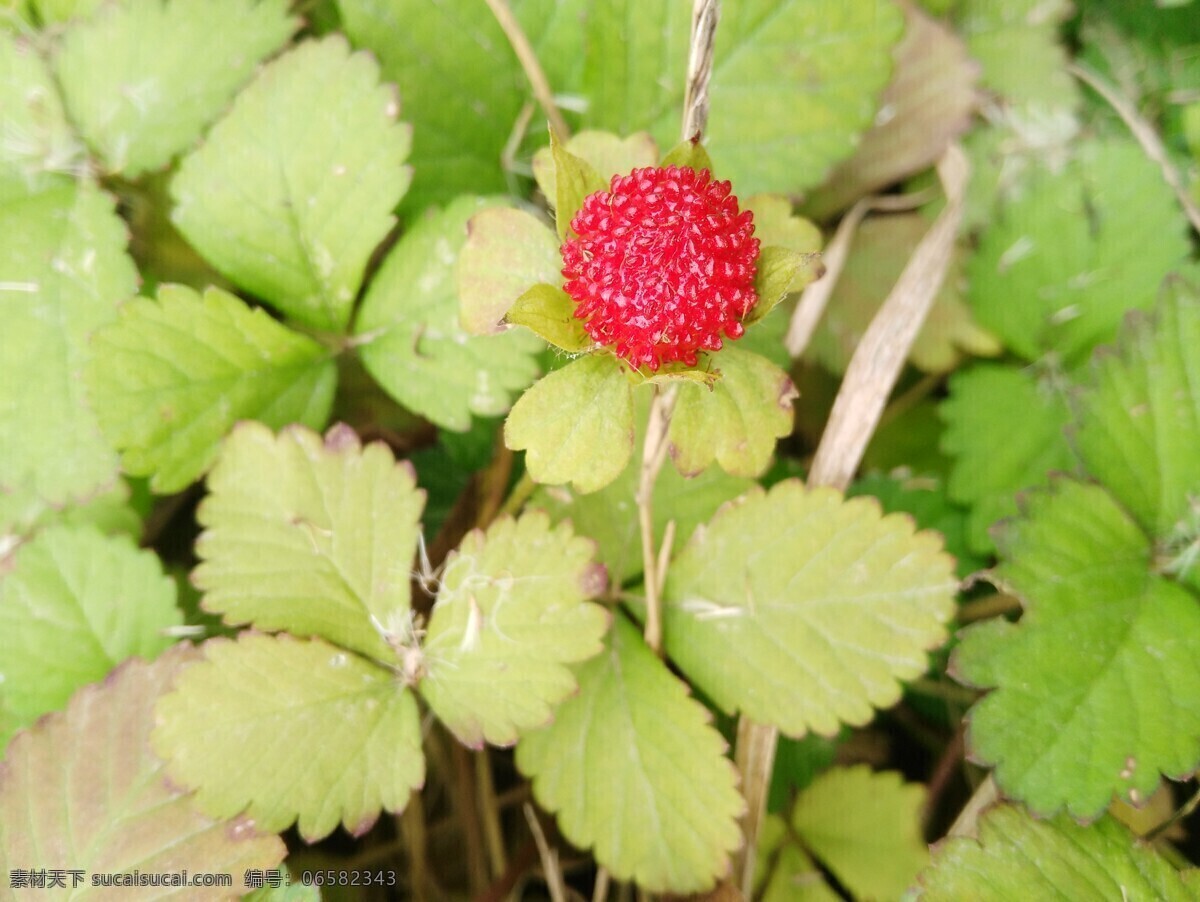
pixel 309 536
pixel 142 80
pixel 574 180
pixel 737 421
pixel 462 86
pixel 1104 644
pixel 505 253
pixel 63 270
pixel 607 154
pixel 37 143
pixel 74 605
pixel 863 827
pixel 332 737
pixel 576 424
pixel 1018 47
pixel 82 790
pixel 610 518
pixel 927 104
pixel 314 141
pixel 769 130
pixel 823 605
pixel 1140 425
pixel 633 770
pixel 1067 259
pixel 511 614
pixel 1030 412
pixel 171 377
pixel 1018 857
pixel 878 254
pixel 413 343
pixel 549 312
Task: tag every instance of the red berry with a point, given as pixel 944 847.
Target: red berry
pixel 663 266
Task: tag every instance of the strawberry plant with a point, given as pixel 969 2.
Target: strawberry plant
pixel 508 448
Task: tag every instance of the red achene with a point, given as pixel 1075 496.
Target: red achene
pixel 663 265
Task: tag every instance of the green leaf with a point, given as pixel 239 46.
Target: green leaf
pixel 23 513
pixel 873 846
pixel 333 737
pixel 284 890
pixel 784 872
pixel 1103 644
pixel 794 82
pixel 1018 857
pixel 74 605
pixel 55 11
pixel 171 377
pixel 82 790
pixel 607 154
pixel 1140 424
pixel 609 516
pixel 1031 413
pixel 462 86
pixel 142 80
pixel 1017 45
pixel 632 769
pixel 314 141
pixel 576 424
pixel 1077 250
pixel 737 421
pixel 574 180
pixel 549 312
pixel 805 611
pixel 925 497
pixel 506 252
pixel 511 614
pixel 929 103
pixel 414 344
pixel 879 252
pixel 309 536
pixel 38 144
pixel 63 270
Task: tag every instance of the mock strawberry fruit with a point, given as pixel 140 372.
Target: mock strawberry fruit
pixel 663 265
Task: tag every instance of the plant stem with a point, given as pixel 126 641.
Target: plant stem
pixel 550 867
pixel 654 453
pixel 1188 807
pixel 529 63
pixel 489 811
pixel 869 380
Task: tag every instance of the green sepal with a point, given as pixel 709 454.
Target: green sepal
pixel 690 153
pixel 701 374
pixel 607 153
pixel 574 180
pixel 781 271
pixel 549 312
